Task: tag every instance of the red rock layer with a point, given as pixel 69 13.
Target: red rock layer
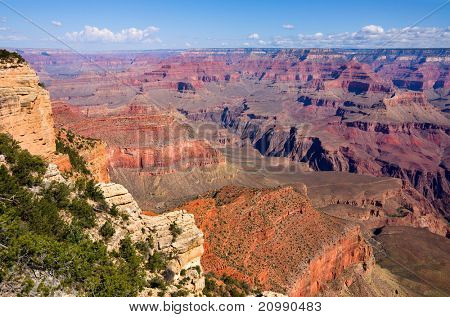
pixel 139 137
pixel 275 240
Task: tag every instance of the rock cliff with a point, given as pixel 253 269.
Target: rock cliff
pixel 25 109
pixel 185 247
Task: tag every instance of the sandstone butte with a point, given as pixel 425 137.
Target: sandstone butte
pixel 274 239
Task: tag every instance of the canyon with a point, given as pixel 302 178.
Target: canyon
pixel 374 112
pixel 281 167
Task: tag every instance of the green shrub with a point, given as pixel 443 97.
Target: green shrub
pixel 157 262
pixel 180 293
pixel 107 230
pixel 27 286
pixel 26 168
pixel 43 218
pixel 113 211
pixel 35 237
pixel 210 286
pixel 127 250
pixel 175 230
pixel 158 282
pixel 58 193
pixel 93 192
pixel 74 233
pixel 10 57
pixel 83 213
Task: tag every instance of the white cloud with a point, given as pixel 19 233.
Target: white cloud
pixel 373 36
pixel 246 44
pixel 288 26
pixel 254 36
pixel 57 23
pixel 2 28
pixel 261 42
pixel 188 44
pixel 95 34
pixel 12 38
pixel 372 29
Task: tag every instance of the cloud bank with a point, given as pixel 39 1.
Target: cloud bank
pixel 369 36
pixel 105 35
pixel 254 36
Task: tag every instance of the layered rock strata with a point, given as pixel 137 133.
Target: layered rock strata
pixel 185 249
pixel 25 109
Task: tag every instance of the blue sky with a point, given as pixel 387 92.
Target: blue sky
pixel 109 25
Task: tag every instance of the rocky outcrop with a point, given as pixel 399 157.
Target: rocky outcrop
pixel 117 195
pixel 275 239
pixel 188 245
pixel 185 247
pixel 25 109
pixel 52 174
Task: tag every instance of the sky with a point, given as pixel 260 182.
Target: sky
pixel 127 25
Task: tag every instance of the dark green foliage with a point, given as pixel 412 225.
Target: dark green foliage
pixel 42 85
pixel 157 262
pixel 93 192
pixel 9 147
pixel 144 247
pixel 180 293
pixel 58 193
pixel 26 168
pixel 113 211
pixel 175 230
pixel 43 218
pixel 127 250
pixel 107 230
pixel 74 233
pixel 230 287
pixel 210 288
pixel 124 216
pixel 33 236
pixel 10 57
pixel 158 282
pixel 83 213
pixel 183 272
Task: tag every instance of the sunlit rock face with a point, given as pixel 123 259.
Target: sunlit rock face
pixel 25 109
